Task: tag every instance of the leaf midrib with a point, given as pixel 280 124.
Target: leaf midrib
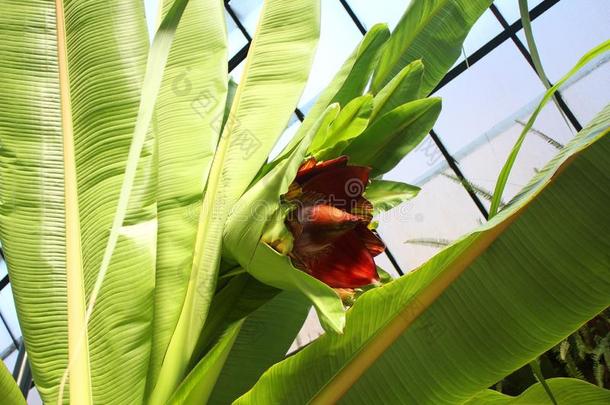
pixel 376 345
pixel 78 346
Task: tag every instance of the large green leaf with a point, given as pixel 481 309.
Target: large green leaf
pixel 9 390
pixel 355 74
pixel 274 269
pixel 430 30
pixel 392 136
pixel 264 339
pixel 198 385
pixel 348 83
pixel 478 310
pixel 351 122
pixel 404 87
pixel 385 194
pixel 186 125
pixel 254 329
pixel 71 75
pixel 322 131
pixel 567 391
pixel 274 77
pixel 234 301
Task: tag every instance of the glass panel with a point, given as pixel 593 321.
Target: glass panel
pixel 236 38
pixel 416 230
pixel 307 106
pixel 338 37
pixel 150 8
pixel 381 11
pixel 384 262
pixel 286 136
pixel 510 8
pixel 11 360
pixel 310 331
pixel 481 163
pixel 482 32
pixel 238 71
pixel 3 270
pixel 6 343
pixel 248 12
pixel 34 397
pixel 567 31
pixel 8 310
pixel 589 93
pixel 420 165
pixel 484 95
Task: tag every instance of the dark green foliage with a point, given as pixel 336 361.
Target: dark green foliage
pixel 584 355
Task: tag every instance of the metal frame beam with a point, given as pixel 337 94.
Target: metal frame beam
pixel 528 57
pixel 22 373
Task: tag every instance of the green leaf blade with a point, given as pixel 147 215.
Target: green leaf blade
pixel 9 390
pixel 186 125
pixel 264 340
pixel 348 83
pixel 273 269
pixel 448 320
pixel 352 120
pixel 390 138
pixel 566 390
pixel 274 77
pixel 198 385
pixel 403 88
pixel 430 30
pixel 385 194
pixel 101 111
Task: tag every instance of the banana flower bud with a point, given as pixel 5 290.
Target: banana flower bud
pixel 329 224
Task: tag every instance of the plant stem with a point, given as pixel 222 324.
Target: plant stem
pixel 535 366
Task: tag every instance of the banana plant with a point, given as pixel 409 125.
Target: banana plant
pixel 158 255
